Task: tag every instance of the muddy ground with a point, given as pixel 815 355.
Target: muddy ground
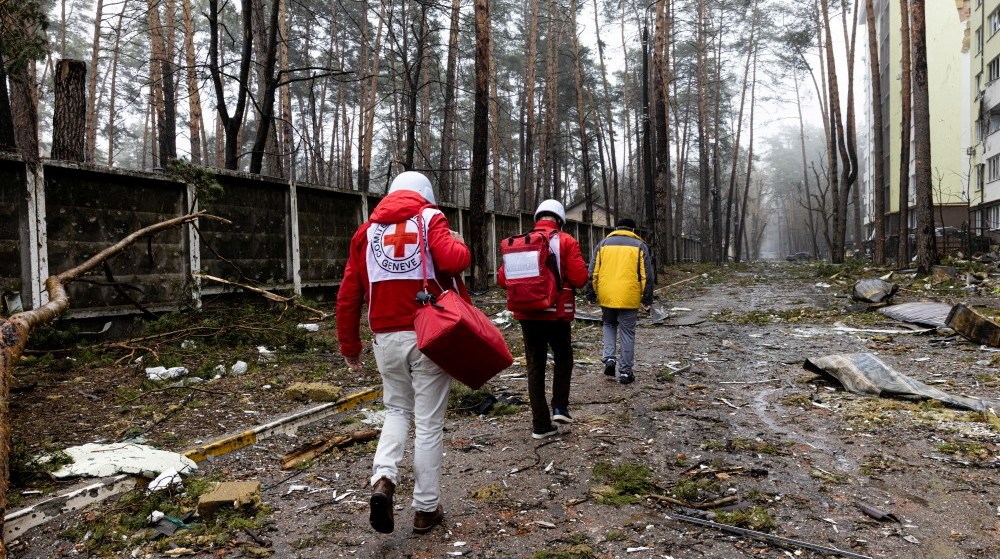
pixel 744 426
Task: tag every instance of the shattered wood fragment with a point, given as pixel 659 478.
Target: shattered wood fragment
pixel 974 326
pixel 321 445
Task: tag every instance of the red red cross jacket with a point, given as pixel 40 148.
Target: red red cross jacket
pixel 572 270
pixel 384 268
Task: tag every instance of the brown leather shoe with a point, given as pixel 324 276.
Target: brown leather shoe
pixel 381 506
pixel 423 522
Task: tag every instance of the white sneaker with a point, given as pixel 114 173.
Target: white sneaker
pixel 546 434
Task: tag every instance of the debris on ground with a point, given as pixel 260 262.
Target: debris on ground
pixel 974 326
pixel 876 513
pixel 313 392
pixel 308 327
pixel 321 445
pixel 503 319
pixel 229 494
pixel 873 290
pixel 866 374
pixel 102 460
pixel 163 373
pixel 925 313
pixel 167 479
pixel 238 368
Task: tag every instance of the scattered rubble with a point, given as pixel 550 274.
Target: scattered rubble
pixel 229 494
pixel 864 373
pixel 873 291
pixel 313 392
pixel 102 460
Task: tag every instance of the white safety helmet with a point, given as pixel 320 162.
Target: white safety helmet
pixel 553 207
pixel 415 182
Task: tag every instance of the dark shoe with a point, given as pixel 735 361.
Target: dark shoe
pixel 545 434
pixel 381 506
pixel 626 378
pixel 609 366
pixel 561 415
pixel 423 522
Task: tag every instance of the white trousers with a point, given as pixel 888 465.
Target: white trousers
pixel 414 389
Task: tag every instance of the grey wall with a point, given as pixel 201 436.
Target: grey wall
pixel 282 236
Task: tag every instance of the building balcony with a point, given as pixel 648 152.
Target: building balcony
pixel 991 96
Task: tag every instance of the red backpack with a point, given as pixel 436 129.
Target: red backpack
pixel 531 271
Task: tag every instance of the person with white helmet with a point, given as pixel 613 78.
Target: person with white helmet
pixel 385 269
pixel 550 327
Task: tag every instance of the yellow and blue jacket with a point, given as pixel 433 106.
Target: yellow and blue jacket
pixel 620 271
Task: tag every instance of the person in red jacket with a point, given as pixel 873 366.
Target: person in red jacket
pixel 386 269
pixel 550 328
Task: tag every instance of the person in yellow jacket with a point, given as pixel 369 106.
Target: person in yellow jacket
pixel 621 281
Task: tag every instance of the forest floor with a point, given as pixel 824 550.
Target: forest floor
pixel 740 428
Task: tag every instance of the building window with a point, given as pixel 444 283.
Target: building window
pixel 979 40
pixel 980 176
pixel 993 168
pixel 978 221
pixel 993 218
pixel 977 131
pixel 994 22
pixel 994 69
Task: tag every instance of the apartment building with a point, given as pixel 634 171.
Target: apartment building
pixel 949 62
pixel 984 151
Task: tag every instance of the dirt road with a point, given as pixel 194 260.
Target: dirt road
pixel 741 425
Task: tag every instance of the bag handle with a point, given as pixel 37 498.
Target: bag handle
pixel 424 297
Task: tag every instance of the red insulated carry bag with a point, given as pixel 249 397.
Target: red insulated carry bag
pixel 456 335
pixel 530 271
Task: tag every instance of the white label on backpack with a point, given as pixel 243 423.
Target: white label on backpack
pixel 520 265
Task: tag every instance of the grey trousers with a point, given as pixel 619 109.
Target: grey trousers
pixel 619 323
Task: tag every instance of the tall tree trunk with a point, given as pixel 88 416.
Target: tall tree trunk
pixel 369 101
pixel 661 238
pixel 705 187
pixel 627 118
pixel 609 122
pixel 751 52
pixel 480 149
pixel 581 119
pixel 445 173
pixel 903 254
pixel 265 140
pixel 231 124
pixel 741 231
pixel 494 117
pixel 69 119
pixel 413 89
pixel 926 241
pixel 196 122
pixel 95 51
pixel 287 131
pixel 837 250
pixel 162 73
pixel 849 139
pixel 878 153
pixel 649 205
pixel 805 169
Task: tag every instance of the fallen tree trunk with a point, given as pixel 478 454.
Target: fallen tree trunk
pixel 320 315
pixel 15 331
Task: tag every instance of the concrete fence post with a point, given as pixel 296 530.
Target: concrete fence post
pixel 34 229
pixel 294 246
pixel 194 245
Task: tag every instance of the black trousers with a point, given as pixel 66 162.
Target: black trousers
pixel 539 336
